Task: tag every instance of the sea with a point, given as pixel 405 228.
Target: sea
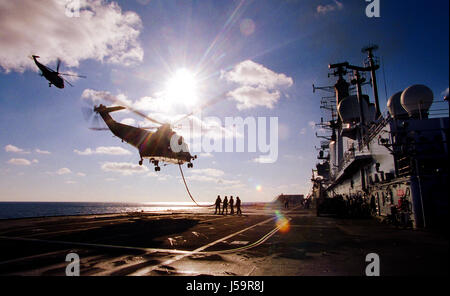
pixel 15 210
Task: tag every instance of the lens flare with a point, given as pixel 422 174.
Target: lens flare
pixel 258 188
pixel 282 223
pixel 247 27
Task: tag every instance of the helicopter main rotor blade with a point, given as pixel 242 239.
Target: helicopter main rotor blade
pixel 75 75
pixel 99 128
pixel 67 82
pixel 148 127
pixel 58 63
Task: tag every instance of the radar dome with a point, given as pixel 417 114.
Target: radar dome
pixel 417 100
pixel 395 107
pixel 348 109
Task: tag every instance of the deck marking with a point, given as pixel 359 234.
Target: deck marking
pixel 181 256
pixel 239 243
pixel 33 257
pixel 182 253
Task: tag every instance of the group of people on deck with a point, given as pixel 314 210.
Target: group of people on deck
pixel 227 203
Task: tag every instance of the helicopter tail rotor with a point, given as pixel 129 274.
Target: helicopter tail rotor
pixel 91 114
pixel 92 117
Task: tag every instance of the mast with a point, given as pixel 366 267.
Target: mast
pixel 373 67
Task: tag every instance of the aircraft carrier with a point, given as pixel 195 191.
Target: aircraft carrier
pixel 371 165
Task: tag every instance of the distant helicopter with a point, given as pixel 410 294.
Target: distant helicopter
pixel 152 145
pixel 53 77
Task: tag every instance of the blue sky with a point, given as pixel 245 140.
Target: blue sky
pixel 132 48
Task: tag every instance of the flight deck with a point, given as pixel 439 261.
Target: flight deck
pixel 264 241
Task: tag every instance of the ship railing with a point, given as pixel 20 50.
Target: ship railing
pixel 375 128
pixel 350 156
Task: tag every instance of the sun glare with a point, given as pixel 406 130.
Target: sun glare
pixel 182 88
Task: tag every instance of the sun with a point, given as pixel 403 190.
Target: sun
pixel 182 88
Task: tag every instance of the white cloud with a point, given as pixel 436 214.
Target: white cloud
pixel 102 32
pixel 70 182
pixel 251 96
pixel 87 151
pixel 35 161
pixel 150 104
pixel 324 9
pixel 210 175
pixel 123 168
pixel 263 160
pixel 96 96
pixel 19 161
pixel 251 73
pixel 229 182
pixel 259 86
pixel 206 155
pixel 14 149
pixel 63 171
pixel 208 172
pixel 113 150
pixel 202 178
pixel 81 174
pixel 39 151
pixel 217 180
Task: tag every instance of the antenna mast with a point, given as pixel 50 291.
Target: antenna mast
pixel 373 66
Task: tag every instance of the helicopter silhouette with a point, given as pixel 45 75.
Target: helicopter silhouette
pixel 154 145
pixel 53 77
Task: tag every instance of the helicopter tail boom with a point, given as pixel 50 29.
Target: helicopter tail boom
pixel 103 109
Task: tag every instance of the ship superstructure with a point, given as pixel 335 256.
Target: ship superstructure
pixel 384 159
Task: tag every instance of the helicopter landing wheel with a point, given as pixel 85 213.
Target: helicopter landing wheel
pixel 140 162
pixel 157 169
pixel 190 165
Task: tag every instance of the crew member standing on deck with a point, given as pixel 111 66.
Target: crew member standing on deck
pixel 218 202
pixel 231 205
pixel 225 206
pixel 238 206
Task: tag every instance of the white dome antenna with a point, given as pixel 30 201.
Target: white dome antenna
pixel 395 107
pixel 417 100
